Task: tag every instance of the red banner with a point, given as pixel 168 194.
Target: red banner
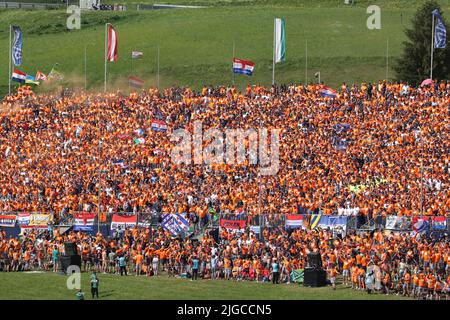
pixel 123 221
pixel 7 220
pixel 232 224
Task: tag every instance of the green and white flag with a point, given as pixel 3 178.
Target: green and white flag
pixel 279 40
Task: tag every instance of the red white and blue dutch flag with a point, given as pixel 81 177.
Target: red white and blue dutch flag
pixel 159 125
pixel 18 76
pixel 327 92
pixel 294 221
pixel 243 66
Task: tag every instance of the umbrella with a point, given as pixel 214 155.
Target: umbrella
pixel 426 82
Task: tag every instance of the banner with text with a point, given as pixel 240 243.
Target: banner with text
pixel 123 221
pixel 40 220
pixel 233 224
pixel 8 220
pixel 84 221
pixel 398 223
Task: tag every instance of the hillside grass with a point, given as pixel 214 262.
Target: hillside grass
pixel 196 44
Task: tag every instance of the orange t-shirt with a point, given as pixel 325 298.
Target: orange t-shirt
pixel 139 258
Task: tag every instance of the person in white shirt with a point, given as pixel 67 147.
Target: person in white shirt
pixel 155 263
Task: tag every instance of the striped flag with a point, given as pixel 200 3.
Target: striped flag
pixel 315 219
pixel 31 80
pixel 112 44
pixel 159 125
pixel 440 33
pixel 135 82
pixel 84 221
pixel 17 46
pixel 294 221
pixel 18 76
pixel 243 66
pixel 327 92
pixel 280 40
pixel 23 219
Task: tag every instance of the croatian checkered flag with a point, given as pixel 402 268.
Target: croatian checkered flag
pixel 17 46
pixel 440 33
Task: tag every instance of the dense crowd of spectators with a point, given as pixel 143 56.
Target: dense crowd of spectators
pixel 382 148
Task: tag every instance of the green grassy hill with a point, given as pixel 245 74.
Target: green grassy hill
pixel 196 44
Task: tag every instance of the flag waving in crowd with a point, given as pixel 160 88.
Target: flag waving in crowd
pixel 327 92
pixel 40 76
pixel 135 82
pixel 54 74
pixel 31 80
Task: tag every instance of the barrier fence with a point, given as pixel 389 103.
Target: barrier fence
pixel 25 5
pixel 358 222
pixel 86 221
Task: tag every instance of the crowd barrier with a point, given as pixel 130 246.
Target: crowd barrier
pixel 358 222
pixel 14 222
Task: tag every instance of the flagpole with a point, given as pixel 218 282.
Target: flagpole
pixel 157 77
pixel 99 172
pixel 85 68
pixel 306 62
pixel 10 53
pixel 387 59
pixel 106 50
pixel 232 63
pixel 432 46
pixel 273 60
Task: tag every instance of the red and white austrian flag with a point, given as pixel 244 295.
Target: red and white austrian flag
pixel 112 44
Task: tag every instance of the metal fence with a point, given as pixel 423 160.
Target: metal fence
pixel 153 218
pixel 27 5
pixel 358 222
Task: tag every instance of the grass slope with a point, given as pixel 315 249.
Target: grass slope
pixel 113 287
pixel 196 45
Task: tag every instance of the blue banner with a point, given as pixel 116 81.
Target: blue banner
pixel 17 46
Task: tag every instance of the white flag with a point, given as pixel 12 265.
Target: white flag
pixel 280 40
